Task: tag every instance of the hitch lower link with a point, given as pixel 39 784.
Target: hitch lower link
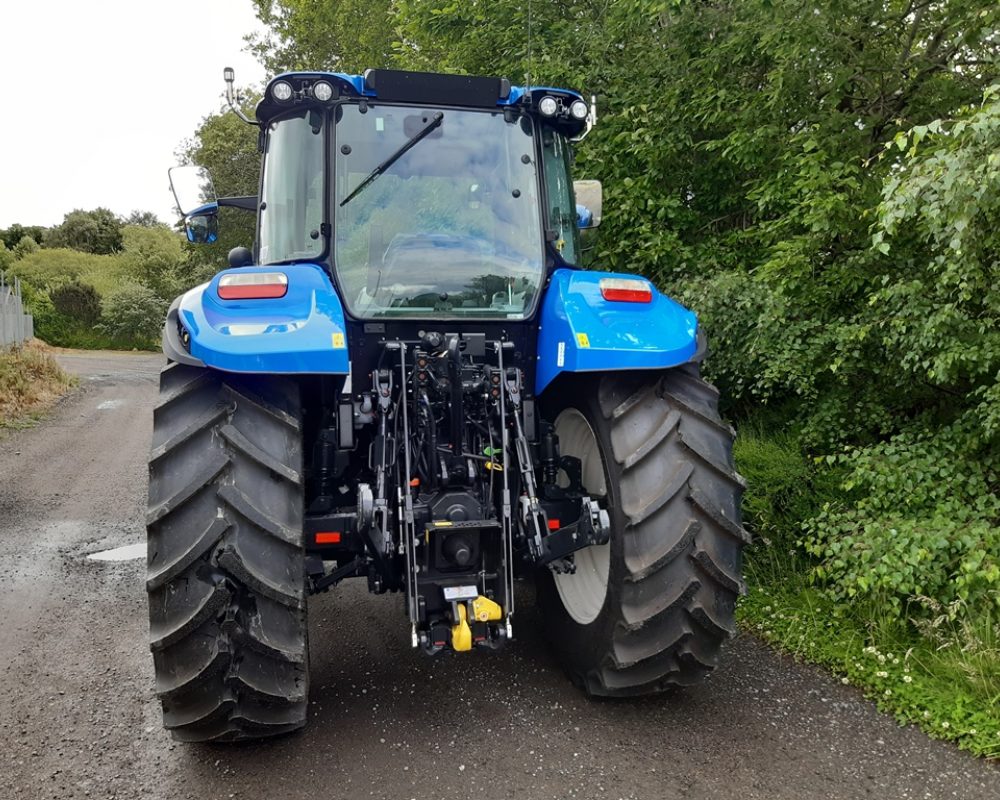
pixel 592 527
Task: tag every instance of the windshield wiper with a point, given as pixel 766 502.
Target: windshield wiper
pixel 394 157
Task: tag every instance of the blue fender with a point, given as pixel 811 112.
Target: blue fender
pixel 302 332
pixel 580 331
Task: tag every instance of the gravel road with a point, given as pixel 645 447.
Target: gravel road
pixel 78 717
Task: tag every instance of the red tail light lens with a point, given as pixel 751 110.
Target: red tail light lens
pixel 253 285
pixel 626 290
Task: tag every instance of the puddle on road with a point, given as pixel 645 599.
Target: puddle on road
pixel 129 552
pixel 109 405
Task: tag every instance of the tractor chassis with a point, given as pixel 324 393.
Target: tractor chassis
pixel 480 517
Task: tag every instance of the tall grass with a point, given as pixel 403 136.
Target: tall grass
pixel 30 381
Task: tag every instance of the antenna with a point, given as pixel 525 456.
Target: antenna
pixel 233 98
pixel 527 75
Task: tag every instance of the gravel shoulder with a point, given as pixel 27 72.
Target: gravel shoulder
pixel 79 718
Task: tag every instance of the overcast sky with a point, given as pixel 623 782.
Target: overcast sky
pixel 97 97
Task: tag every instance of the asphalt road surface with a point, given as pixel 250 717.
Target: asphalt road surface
pixel 78 717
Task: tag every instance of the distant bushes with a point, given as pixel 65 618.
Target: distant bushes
pixel 115 294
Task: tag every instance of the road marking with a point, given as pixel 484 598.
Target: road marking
pixel 109 405
pixel 129 552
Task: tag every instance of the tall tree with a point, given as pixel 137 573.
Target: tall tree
pixel 346 36
pixel 144 219
pixel 16 232
pixel 98 231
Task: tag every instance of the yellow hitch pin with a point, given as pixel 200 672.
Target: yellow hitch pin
pixel 461 634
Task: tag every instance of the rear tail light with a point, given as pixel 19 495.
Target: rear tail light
pixel 626 290
pixel 253 285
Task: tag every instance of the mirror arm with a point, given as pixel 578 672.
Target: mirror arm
pixel 248 203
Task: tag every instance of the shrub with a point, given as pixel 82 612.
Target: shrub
pixel 925 522
pixel 79 301
pixel 25 247
pixel 134 314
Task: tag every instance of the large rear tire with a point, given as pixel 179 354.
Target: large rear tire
pixel 226 579
pixel 650 609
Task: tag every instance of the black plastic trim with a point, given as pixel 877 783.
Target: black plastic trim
pixel 173 348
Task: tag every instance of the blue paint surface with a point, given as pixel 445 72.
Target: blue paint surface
pixel 302 332
pixel 580 331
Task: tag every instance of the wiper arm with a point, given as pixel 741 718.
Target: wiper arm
pixel 438 116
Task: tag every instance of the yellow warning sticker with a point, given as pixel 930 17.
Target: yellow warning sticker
pixel 338 341
pixel 582 340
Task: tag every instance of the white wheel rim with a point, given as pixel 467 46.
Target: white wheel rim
pixel 583 592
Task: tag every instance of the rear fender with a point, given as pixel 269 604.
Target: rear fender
pixel 580 331
pixel 302 332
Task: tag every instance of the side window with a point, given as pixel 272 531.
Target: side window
pixel 561 210
pixel 291 214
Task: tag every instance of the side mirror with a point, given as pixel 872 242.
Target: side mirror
pixel 589 203
pixel 196 200
pixel 202 228
pixel 193 189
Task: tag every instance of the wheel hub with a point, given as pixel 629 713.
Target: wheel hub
pixel 584 591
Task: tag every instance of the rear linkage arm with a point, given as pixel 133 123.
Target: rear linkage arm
pixel 593 525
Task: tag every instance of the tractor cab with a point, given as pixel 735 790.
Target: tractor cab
pixel 423 195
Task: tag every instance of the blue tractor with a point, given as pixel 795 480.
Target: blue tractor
pixel 410 380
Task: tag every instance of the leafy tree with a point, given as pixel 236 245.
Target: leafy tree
pixel 98 231
pixel 347 36
pixel 143 219
pixel 16 232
